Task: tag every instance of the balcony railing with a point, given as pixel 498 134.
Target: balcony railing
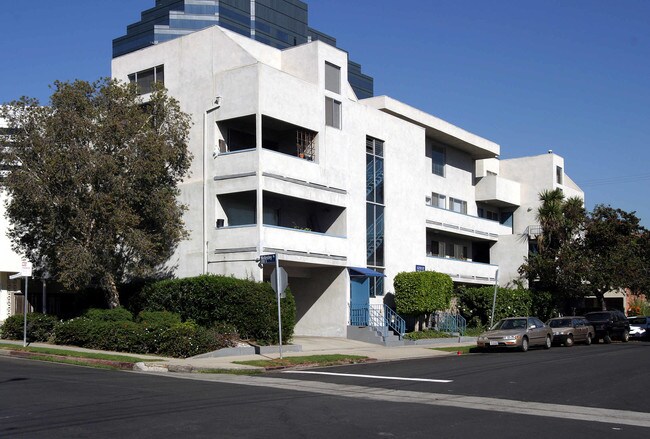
pixel 463 224
pixel 307 243
pixel 463 271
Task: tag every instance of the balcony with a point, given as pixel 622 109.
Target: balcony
pixel 498 191
pixel 466 225
pixel 463 271
pixel 236 239
pixel 304 245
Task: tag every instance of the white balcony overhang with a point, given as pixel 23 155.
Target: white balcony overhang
pixel 498 191
pixel 437 129
pixel 465 225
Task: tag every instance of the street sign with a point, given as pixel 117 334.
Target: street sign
pixel 284 281
pixel 26 268
pixel 268 259
pixel 420 268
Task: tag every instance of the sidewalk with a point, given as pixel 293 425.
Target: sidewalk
pixel 309 346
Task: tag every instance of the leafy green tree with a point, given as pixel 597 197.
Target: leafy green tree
pixel 93 189
pixel 555 265
pixel 613 253
pixel 422 293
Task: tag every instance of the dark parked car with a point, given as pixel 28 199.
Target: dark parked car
pixel 609 325
pixel 570 330
pixel 639 327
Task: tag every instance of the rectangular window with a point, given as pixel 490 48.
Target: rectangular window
pixel 332 78
pixel 457 205
pixel 332 113
pixel 146 78
pixel 449 250
pixel 558 175
pixel 438 200
pixel 460 251
pixel 438 160
pixel 374 170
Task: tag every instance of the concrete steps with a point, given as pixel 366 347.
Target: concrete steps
pixel 380 335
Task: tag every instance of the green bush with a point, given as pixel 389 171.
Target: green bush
pixel 249 306
pixel 40 327
pixel 177 340
pixel 158 318
pixel 422 292
pixel 475 304
pixel 423 335
pixel 543 305
pixel 118 314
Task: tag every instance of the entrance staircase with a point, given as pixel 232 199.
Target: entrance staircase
pixel 377 324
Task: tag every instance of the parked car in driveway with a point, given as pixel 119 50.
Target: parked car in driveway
pixel 516 332
pixel 609 325
pixel 639 327
pixel 571 330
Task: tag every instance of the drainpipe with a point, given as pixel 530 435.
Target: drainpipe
pixel 205 183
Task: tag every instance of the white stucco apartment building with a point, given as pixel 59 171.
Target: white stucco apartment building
pixel 287 160
pixel 10 261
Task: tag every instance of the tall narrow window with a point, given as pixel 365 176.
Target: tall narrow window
pixel 438 160
pixel 375 210
pixel 332 113
pixel 558 175
pixel 332 78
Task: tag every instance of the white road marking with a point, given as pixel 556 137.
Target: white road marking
pixel 379 377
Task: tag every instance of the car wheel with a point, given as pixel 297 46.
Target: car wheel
pixel 625 337
pixel 607 339
pixel 569 341
pixel 548 342
pixel 524 344
pixel 588 340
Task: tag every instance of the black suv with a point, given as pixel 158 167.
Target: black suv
pixel 609 325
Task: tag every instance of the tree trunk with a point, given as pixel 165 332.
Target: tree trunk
pixel 601 299
pixel 110 289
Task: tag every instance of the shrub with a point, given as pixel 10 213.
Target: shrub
pixel 475 304
pixel 40 327
pixel 249 306
pixel 420 293
pixel 118 314
pixel 188 339
pixel 158 318
pixel 177 340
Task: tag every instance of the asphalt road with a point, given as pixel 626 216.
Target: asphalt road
pixel 56 401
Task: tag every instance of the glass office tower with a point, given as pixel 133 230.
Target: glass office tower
pixel 278 23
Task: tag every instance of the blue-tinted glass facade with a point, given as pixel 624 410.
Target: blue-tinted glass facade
pixel 278 23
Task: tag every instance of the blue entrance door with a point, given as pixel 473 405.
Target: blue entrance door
pixel 359 300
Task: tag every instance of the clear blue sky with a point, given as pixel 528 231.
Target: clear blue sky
pixel 567 75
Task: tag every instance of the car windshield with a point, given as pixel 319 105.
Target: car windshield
pixel 598 316
pixel 510 324
pixel 560 323
pixel 637 321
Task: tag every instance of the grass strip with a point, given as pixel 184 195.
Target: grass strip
pixel 461 349
pixel 311 360
pixel 76 354
pixel 232 371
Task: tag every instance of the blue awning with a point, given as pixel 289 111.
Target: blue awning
pixel 360 271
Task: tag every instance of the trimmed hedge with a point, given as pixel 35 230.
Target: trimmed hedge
pixel 40 327
pixel 249 306
pixel 422 292
pixel 175 340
